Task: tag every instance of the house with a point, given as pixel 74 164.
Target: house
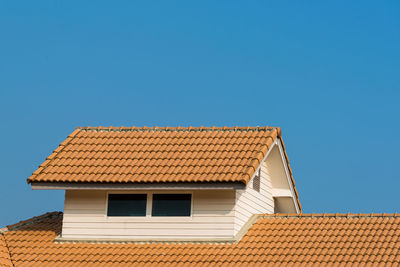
pixel 187 196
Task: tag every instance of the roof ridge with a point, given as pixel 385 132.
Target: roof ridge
pixel 32 220
pixel 331 215
pixel 177 129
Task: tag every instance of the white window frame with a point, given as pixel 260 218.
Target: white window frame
pixel 149 207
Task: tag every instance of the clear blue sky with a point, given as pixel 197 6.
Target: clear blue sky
pixel 327 72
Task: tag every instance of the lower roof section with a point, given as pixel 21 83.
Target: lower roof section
pixel 5 259
pixel 273 240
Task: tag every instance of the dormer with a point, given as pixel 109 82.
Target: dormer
pixel 168 184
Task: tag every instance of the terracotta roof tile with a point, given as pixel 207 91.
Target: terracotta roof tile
pixel 274 240
pixel 159 155
pixel 4 253
pixel 131 154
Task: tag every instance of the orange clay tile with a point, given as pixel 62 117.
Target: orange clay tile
pixel 5 259
pixel 333 243
pixel 158 155
pixel 148 155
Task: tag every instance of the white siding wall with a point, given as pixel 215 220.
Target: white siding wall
pixel 276 169
pixel 250 202
pixel 85 217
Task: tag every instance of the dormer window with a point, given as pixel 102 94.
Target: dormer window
pixel 127 205
pixel 150 204
pixel 168 184
pixel 171 204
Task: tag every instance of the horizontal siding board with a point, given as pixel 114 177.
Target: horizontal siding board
pixel 102 219
pixel 213 207
pixel 241 219
pixel 172 237
pixel 215 194
pixel 213 214
pixel 243 213
pixel 84 211
pixel 147 232
pixel 250 202
pixel 202 213
pixel 266 187
pixel 88 206
pixel 217 202
pixel 146 226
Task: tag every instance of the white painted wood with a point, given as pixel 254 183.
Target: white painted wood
pixel 118 239
pixel 216 213
pixel 281 192
pixel 280 178
pixel 250 202
pixel 284 205
pixel 144 225
pixel 276 169
pixel 213 215
pixel 100 219
pixel 146 232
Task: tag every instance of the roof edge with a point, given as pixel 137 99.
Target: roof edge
pixel 52 156
pixel 143 129
pixel 139 185
pixel 179 129
pixel 289 169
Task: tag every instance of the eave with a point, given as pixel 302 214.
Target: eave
pixel 137 186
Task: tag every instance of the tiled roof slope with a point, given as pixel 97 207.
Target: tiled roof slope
pixel 142 155
pixel 151 155
pixel 4 254
pixel 274 240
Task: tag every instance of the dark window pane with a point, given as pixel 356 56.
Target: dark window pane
pixel 171 204
pixel 127 205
